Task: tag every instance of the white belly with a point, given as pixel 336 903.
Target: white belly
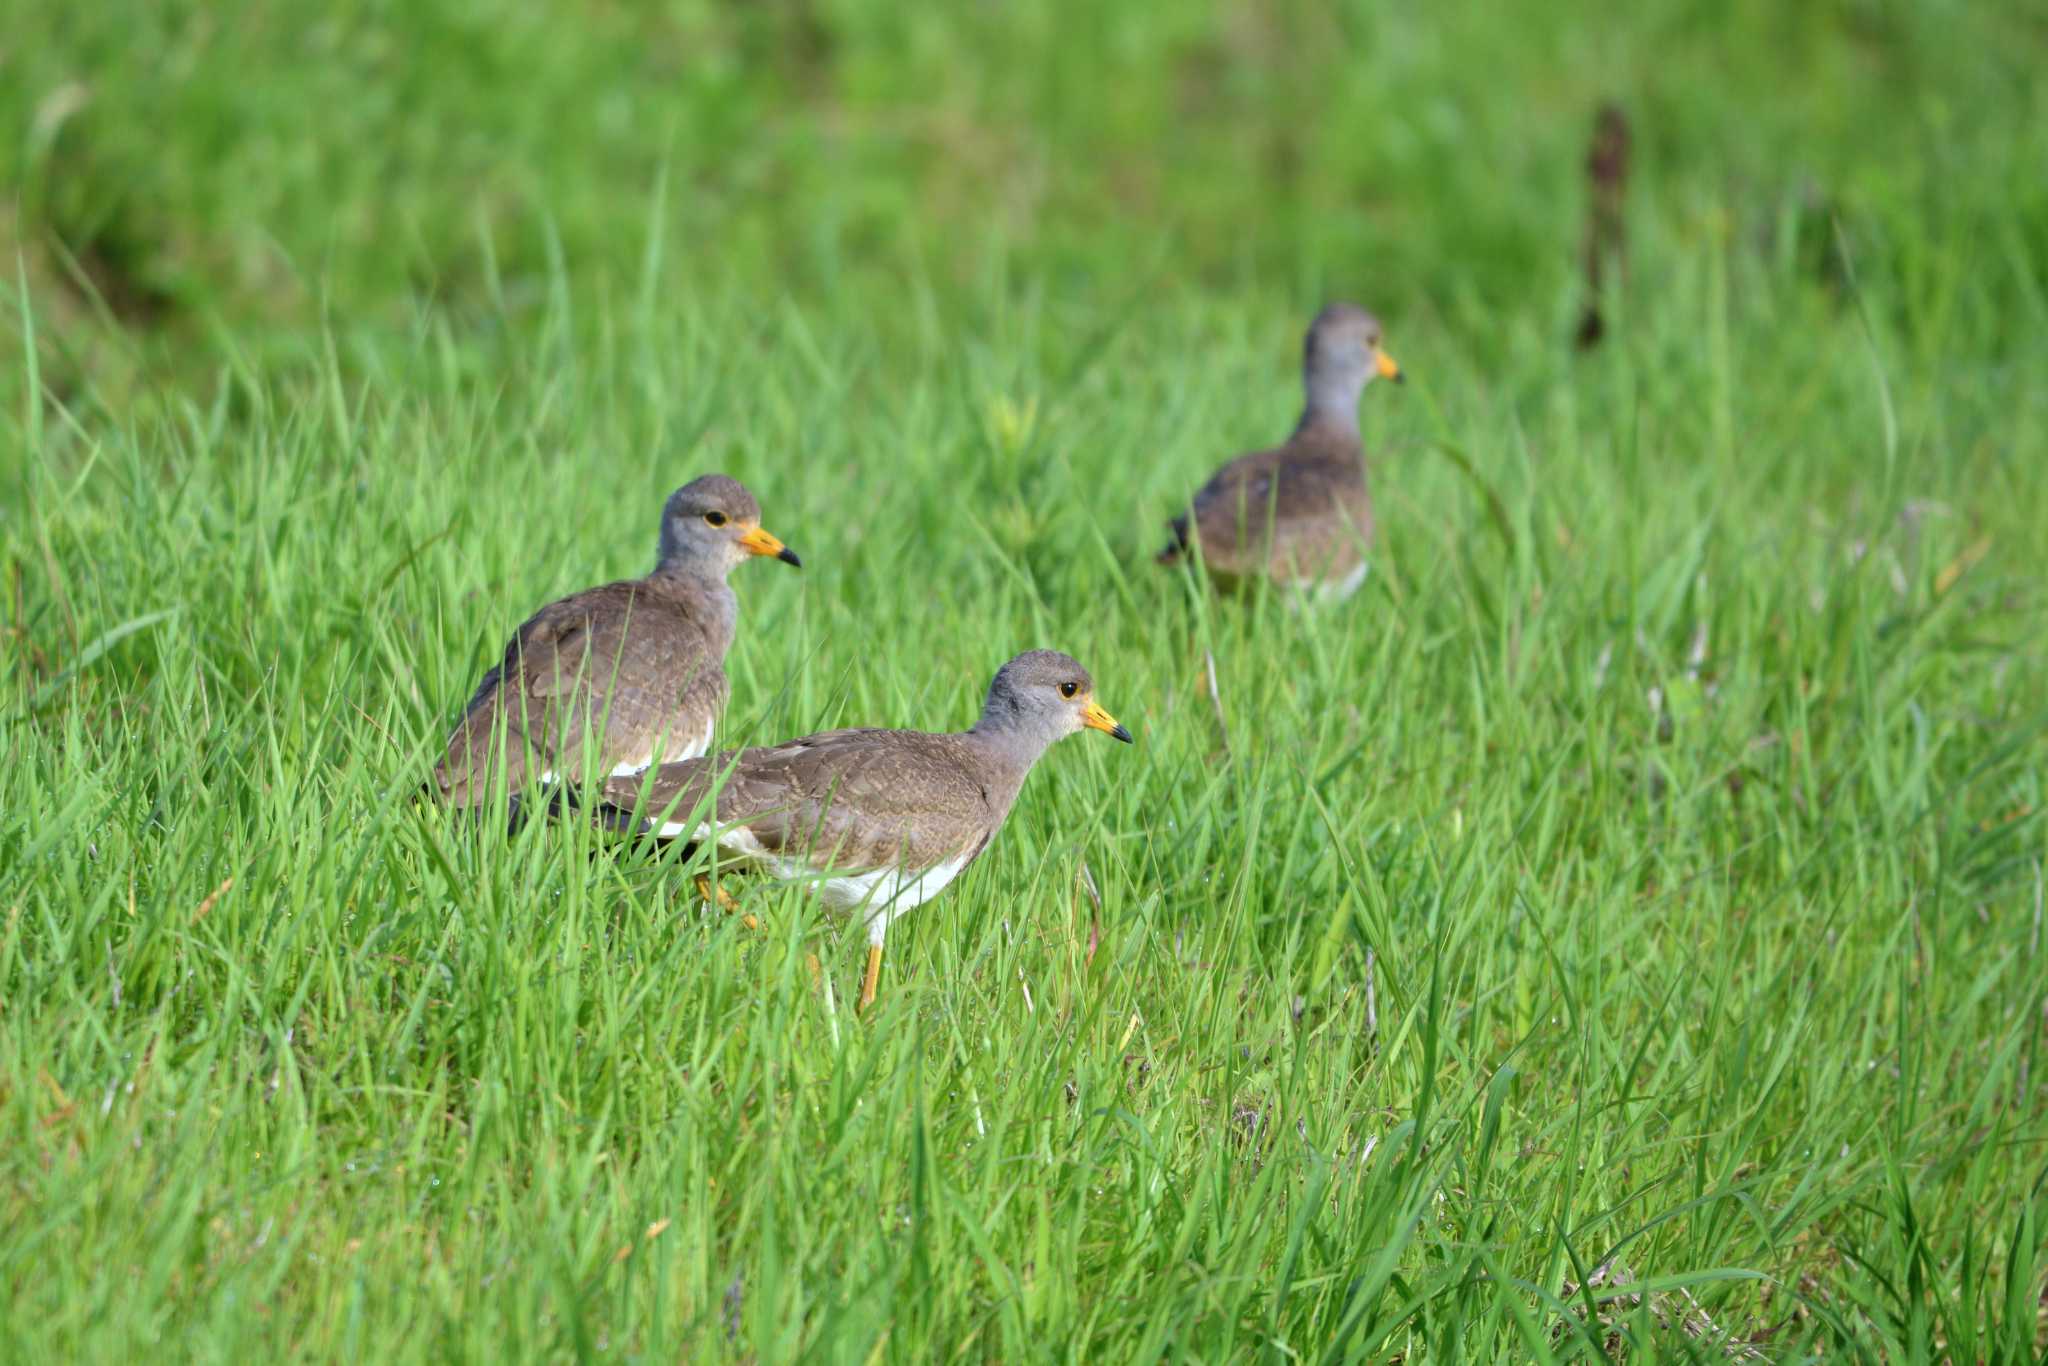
pixel 884 893
pixel 1324 591
pixel 689 747
pixel 897 888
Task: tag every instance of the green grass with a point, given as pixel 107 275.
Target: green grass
pixel 1618 929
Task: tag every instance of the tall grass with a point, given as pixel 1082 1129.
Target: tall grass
pixel 1618 929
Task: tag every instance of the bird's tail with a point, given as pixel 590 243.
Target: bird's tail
pixel 1178 546
pixel 564 801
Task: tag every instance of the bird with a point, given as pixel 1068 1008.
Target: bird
pixel 1299 513
pixel 637 667
pixel 874 821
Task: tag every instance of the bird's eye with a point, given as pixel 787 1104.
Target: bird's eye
pixel 714 518
pixel 1069 688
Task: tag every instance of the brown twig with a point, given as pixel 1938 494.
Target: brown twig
pixel 1606 239
pixel 207 904
pixel 1087 880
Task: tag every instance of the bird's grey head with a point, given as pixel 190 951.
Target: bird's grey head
pixel 710 525
pixel 1340 356
pixel 1042 696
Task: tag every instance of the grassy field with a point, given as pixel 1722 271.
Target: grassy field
pixel 1618 930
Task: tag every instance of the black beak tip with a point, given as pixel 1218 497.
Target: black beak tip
pixel 1123 734
pixel 1400 377
pixel 788 556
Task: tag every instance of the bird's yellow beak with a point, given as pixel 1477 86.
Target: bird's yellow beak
pixel 1387 367
pixel 1095 718
pixel 755 541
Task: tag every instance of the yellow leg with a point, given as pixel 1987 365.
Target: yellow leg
pixel 873 979
pixel 724 900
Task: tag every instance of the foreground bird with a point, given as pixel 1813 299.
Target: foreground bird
pixel 637 667
pixel 878 821
pixel 1299 513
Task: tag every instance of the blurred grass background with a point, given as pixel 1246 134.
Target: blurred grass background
pixel 1680 770
pixel 257 168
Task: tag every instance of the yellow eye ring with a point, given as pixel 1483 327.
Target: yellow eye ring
pixel 1069 688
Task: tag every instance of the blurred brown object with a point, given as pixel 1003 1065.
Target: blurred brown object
pixel 1606 232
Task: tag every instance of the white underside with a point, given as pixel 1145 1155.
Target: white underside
pixel 884 893
pixel 694 748
pixel 1325 591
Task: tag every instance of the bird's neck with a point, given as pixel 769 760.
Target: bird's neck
pixel 1007 754
pixel 704 589
pixel 1330 404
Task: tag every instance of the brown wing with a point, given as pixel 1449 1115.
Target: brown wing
pixel 621 662
pixel 855 800
pixel 1312 494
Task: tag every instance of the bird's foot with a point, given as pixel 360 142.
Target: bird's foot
pixel 870 980
pixel 724 901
